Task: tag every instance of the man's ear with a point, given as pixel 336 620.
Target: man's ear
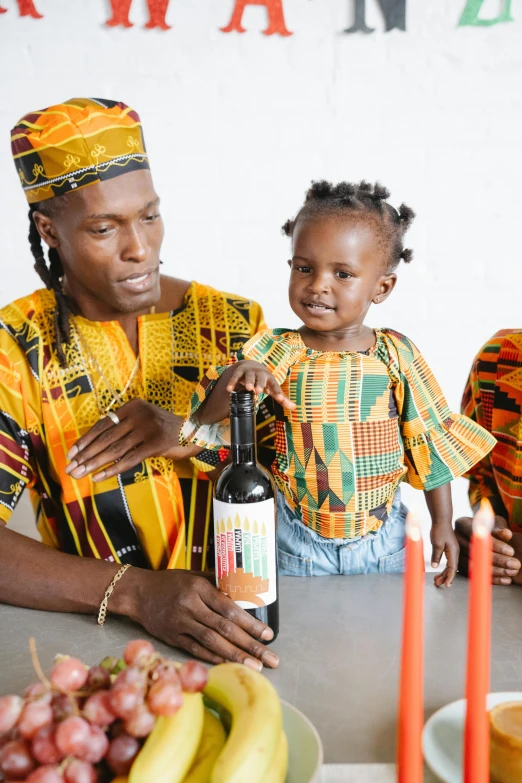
pixel 46 229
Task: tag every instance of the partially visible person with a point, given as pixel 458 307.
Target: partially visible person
pixel 493 398
pixel 95 372
pixel 358 409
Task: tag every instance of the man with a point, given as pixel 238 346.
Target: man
pixel 493 398
pixel 96 372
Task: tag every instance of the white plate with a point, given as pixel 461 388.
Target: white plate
pixel 305 751
pixel 443 736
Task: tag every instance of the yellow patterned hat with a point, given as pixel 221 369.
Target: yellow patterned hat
pixel 75 144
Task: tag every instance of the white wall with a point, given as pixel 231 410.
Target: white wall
pixel 237 126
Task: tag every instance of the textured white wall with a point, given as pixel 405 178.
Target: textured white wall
pixel 237 126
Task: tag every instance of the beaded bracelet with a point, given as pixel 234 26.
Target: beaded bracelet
pixel 102 614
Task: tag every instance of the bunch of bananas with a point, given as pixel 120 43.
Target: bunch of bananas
pixel 193 747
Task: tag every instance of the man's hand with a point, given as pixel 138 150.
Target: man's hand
pixel 507 559
pixel 185 610
pixel 444 542
pixel 179 607
pixel 145 430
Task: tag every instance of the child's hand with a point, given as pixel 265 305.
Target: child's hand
pixel 255 377
pixel 444 542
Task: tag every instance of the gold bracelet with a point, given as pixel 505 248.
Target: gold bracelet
pixel 102 614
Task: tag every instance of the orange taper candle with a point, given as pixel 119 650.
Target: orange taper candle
pixel 411 699
pixel 476 734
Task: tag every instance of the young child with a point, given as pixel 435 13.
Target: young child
pixel 358 409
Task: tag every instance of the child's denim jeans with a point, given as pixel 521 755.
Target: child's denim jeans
pixel 303 552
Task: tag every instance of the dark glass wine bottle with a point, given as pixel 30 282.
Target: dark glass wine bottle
pixel 245 521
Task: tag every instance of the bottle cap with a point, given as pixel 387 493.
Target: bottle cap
pixel 242 403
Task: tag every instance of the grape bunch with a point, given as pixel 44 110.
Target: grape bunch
pixel 86 725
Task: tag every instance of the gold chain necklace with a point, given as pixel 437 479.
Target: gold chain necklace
pixel 117 397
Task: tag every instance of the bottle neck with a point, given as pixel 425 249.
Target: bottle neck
pixel 243 439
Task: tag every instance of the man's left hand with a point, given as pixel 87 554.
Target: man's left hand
pixel 144 430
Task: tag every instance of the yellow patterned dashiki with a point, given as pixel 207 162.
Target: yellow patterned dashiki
pixel 75 144
pixel 493 398
pixel 138 516
pixel 363 423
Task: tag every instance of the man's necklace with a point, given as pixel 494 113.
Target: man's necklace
pixel 116 396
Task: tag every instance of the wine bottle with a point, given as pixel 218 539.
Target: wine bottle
pixel 245 521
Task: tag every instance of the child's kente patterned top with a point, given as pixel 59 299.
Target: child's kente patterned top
pixel 363 423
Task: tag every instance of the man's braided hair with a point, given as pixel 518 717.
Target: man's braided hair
pixel 325 198
pixel 51 272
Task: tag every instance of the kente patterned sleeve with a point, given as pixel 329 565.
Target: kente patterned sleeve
pixel 209 459
pixel 16 469
pixel 438 445
pixel 481 478
pixel 277 355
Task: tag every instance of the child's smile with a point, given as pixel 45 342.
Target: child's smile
pixel 320 308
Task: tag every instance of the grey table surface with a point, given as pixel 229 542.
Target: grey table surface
pixel 339 647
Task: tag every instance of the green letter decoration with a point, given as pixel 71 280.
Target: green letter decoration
pixel 470 15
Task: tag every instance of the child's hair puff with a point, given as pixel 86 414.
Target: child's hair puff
pixel 325 198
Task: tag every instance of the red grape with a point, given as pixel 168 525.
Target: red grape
pixel 44 747
pixel 125 699
pixel 130 676
pixel 38 691
pixel 72 737
pixel 15 760
pixel 68 675
pixel 35 715
pixel 10 710
pixel 97 678
pixel 165 698
pixel 122 752
pixel 140 723
pixel 64 706
pixel 138 652
pixel 167 671
pixel 97 709
pixel 48 774
pixel 98 745
pixel 194 676
pixel 80 772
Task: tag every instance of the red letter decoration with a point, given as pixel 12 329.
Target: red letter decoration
pixel 157 13
pixel 276 19
pixel 120 14
pixel 25 8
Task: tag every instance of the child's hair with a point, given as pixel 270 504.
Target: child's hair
pixel 324 198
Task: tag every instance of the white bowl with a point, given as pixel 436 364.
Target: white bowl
pixel 443 736
pixel 305 750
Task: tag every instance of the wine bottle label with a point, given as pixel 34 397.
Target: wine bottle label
pixel 244 537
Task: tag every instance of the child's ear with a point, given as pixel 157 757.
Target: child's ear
pixel 289 262
pixel 384 287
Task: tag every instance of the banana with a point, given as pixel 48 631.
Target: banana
pixel 279 766
pixel 211 745
pixel 255 710
pixel 170 749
